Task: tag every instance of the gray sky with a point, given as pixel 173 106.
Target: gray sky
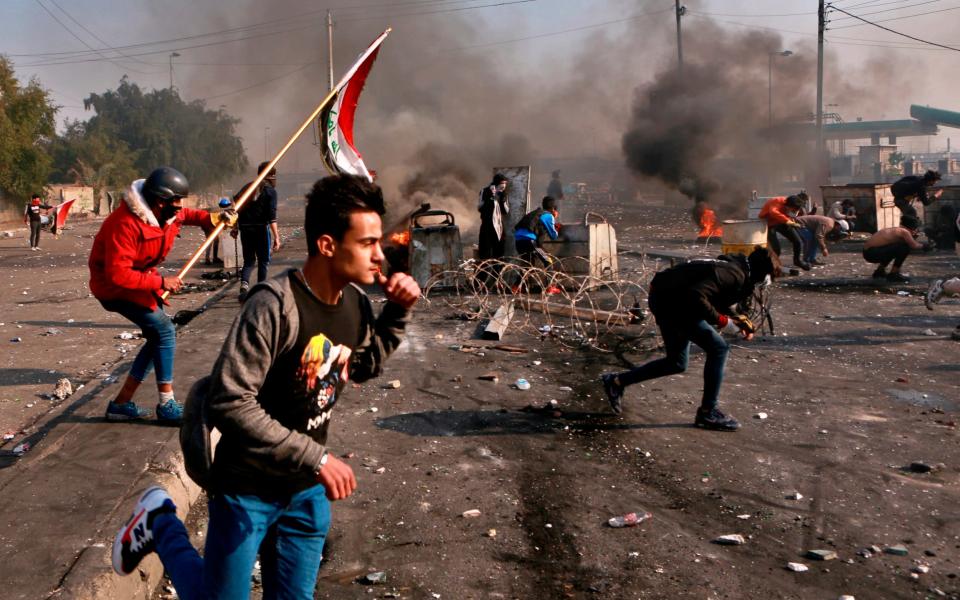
pixel 561 33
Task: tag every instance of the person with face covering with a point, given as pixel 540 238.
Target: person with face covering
pixel 131 243
pixel 493 209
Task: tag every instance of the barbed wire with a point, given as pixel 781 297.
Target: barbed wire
pixel 606 312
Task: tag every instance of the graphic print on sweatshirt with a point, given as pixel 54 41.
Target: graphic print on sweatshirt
pixel 321 375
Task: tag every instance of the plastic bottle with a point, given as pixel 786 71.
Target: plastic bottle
pixel 628 520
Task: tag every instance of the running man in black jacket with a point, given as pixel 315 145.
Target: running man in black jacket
pixel 690 302
pixel 911 188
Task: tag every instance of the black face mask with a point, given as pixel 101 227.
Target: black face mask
pixel 167 212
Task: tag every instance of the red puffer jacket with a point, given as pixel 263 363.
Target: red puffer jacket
pixel 130 245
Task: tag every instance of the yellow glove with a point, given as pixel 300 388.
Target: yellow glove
pixel 743 323
pixel 793 224
pixel 227 216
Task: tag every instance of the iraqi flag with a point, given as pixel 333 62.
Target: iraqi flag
pixel 61 211
pixel 337 150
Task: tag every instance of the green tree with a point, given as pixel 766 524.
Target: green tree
pixel 93 159
pixel 27 119
pixel 161 129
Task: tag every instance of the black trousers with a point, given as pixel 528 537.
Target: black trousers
pixel 882 255
pixel 34 234
pixel 788 232
pixel 906 207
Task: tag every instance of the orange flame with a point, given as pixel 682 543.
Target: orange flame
pixel 401 238
pixel 708 224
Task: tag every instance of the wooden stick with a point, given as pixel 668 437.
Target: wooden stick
pixel 263 174
pixel 605 316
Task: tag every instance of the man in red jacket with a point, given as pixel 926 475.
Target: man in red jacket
pixel 132 241
pixel 780 213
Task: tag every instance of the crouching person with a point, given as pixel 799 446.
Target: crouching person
pixel 298 338
pixel 894 244
pixel 690 302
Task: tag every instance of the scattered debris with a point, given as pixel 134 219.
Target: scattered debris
pixel 522 384
pixel 51 331
pixel 21 449
pixel 896 550
pixel 822 554
pixel 490 377
pixel 902 380
pixel 760 415
pixel 491 533
pixel 498 324
pixel 846 597
pixel 794 496
pixel 733 539
pixel 9 436
pixel 380 471
pixel 375 578
pixel 797 567
pixel 744 517
pixel 63 389
pixel 921 569
pixel 918 466
pixel 472 513
pixel 928 333
pixel 392 385
pixel 628 520
pixel 126 335
pixel 16 339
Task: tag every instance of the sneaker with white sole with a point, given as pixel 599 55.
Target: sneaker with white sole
pixel 135 539
pixel 934 294
pixel 126 411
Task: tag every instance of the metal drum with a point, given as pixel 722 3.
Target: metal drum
pixel 435 247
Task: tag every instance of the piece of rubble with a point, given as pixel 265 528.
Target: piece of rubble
pixel 846 597
pixel 63 389
pixel 918 466
pixel 522 384
pixel 928 333
pixel 761 415
pixel 490 377
pixel 897 550
pixel 126 335
pixel 733 539
pixel 902 380
pixel 392 385
pixel 628 520
pixel 821 554
pixel 16 339
pixel 921 569
pixel 380 471
pixel 374 578
pixel 797 567
pixel 794 496
pixel 470 514
pixel 51 331
pixel 21 449
pixel 491 533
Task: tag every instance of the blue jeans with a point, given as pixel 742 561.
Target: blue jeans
pixel 288 534
pixel 810 247
pixel 677 336
pixel 161 336
pixel 256 250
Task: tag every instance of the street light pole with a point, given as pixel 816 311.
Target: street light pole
pixel 770 83
pixel 173 55
pixel 680 12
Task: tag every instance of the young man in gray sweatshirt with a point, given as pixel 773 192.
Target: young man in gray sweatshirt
pixel 299 337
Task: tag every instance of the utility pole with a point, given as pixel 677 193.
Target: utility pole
pixel 330 48
pixel 680 11
pixel 820 174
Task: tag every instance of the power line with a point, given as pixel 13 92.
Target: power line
pixel 82 41
pixel 301 27
pixel 932 12
pixel 296 18
pixel 897 32
pixel 886 10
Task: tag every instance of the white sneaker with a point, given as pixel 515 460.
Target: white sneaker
pixel 934 294
pixel 135 539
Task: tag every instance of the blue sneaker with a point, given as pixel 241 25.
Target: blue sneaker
pixel 170 411
pixel 127 411
pixel 135 539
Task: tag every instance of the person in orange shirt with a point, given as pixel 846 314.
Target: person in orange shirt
pixel 779 214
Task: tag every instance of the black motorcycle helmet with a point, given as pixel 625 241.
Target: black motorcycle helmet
pixel 165 183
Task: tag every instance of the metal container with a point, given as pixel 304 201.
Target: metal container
pixel 434 247
pixel 872 201
pixel 586 250
pixel 741 237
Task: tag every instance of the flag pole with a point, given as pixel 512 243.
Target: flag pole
pixel 266 171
